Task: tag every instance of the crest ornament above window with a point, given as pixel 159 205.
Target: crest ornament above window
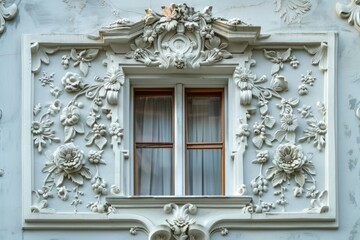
pixel 180 37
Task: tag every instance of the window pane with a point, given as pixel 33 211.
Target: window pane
pixel 154 171
pixel 203 118
pixel 204 172
pixel 153 120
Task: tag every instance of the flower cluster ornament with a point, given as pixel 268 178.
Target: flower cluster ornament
pixel 290 162
pixel 317 129
pixel 97 136
pixel 248 84
pixel 260 136
pixel 279 58
pixel 181 222
pixel 42 132
pixel 67 162
pixel 83 59
pixel 179 37
pixel 306 80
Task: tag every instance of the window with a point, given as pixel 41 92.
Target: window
pixel 203 147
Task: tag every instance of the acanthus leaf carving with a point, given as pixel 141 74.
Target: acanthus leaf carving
pixel 319 55
pixel 6 13
pixel 292 10
pixel 180 37
pixel 351 12
pixel 40 55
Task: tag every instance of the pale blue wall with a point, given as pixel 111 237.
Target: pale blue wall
pixel 56 16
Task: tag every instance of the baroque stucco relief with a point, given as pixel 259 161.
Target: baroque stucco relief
pixel 280 122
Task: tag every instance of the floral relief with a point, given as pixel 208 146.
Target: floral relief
pixel 292 10
pixel 168 39
pixel 316 130
pixel 279 59
pixel 72 82
pixel 83 59
pixel 42 132
pixel 70 119
pixel 67 162
pixel 290 162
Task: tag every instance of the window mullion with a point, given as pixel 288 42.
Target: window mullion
pixel 179 151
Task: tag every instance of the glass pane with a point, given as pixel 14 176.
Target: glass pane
pixel 203 118
pixel 154 171
pixel 204 172
pixel 153 120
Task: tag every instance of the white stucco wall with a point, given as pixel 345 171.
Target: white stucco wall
pixel 69 16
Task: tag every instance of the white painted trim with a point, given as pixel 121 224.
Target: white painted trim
pixel 223 70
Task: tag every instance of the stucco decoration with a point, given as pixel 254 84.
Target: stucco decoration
pixel 6 13
pixel 78 147
pixel 351 12
pixel 292 10
pixel 179 38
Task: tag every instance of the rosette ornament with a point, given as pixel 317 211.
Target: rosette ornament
pixel 67 162
pixel 289 162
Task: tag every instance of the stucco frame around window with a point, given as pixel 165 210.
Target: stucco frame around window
pixel 321 214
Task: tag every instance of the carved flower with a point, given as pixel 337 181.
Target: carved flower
pixel 56 92
pixel 289 161
pixel 289 122
pixel 70 115
pixel 116 131
pixel 41 132
pixel 72 82
pixel 312 192
pixel 95 157
pixel 244 79
pixel 63 193
pixel 149 34
pixel 308 78
pixel 83 59
pixel 303 90
pixel 167 21
pixel 305 111
pixel 286 106
pixel 45 192
pixel 65 61
pixel 54 107
pixel 261 157
pixel 99 185
pixel 97 136
pixel 216 50
pixel 179 63
pixel 316 131
pixel 67 161
pixel 289 158
pixel 279 83
pixel 278 58
pixel 260 136
pixel 113 82
pixel 70 119
pixel 207 32
pixel 243 131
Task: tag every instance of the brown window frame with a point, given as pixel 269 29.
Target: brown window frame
pixel 206 145
pixel 154 92
pixel 187 145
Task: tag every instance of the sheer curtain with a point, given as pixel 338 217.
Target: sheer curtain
pixel 153 124
pixel 204 126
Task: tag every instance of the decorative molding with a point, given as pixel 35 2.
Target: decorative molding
pixel 77 106
pixel 351 12
pixel 6 13
pixel 292 10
